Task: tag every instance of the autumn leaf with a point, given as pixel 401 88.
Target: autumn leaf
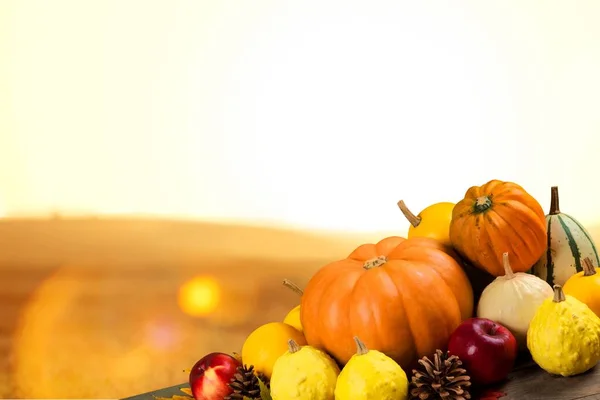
pixel 265 394
pixel 237 356
pixel 174 397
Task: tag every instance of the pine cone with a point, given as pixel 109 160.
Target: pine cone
pixel 264 379
pixel 443 378
pixel 244 384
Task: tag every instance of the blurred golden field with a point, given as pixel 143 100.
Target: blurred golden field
pixel 95 308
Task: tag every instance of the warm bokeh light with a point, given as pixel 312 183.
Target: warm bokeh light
pixel 111 331
pixel 90 332
pixel 162 334
pixel 199 296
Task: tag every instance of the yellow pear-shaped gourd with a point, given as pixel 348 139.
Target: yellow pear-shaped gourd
pixel 293 316
pixel 564 335
pixel 304 372
pixel 512 300
pixel 369 375
pixel 585 286
pixel 433 222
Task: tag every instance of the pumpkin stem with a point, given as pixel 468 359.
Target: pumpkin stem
pixel 291 285
pixel 559 295
pixel 508 272
pixel 482 203
pixel 554 208
pixel 361 348
pixel 588 267
pixel 293 346
pixel 414 220
pixel 375 262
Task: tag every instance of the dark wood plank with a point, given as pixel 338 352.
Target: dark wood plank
pixel 166 392
pixel 531 382
pixel 527 382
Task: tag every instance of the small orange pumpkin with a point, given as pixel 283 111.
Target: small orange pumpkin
pixel 499 217
pixel 403 297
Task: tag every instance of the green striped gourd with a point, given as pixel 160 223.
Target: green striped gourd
pixel 569 243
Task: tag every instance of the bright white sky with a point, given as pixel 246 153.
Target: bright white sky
pixel 318 114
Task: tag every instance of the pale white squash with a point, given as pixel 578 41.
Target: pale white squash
pixel 512 300
pixel 568 243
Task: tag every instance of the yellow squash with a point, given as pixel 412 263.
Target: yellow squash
pixel 292 318
pixel 267 343
pixel 585 286
pixel 369 375
pixel 564 335
pixel 433 222
pixel 304 372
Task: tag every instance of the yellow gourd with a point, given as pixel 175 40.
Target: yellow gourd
pixel 433 222
pixel 585 286
pixel 304 372
pixel 564 335
pixel 293 317
pixel 267 343
pixel 370 375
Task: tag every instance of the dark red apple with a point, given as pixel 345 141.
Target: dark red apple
pixel 210 376
pixel 487 349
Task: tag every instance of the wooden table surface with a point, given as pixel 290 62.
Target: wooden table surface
pixel 526 382
pixel 530 382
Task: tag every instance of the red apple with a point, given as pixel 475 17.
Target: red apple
pixel 210 376
pixel 487 349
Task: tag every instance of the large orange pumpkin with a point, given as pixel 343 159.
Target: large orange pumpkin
pixel 403 297
pixel 496 218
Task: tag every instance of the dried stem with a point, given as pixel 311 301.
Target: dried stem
pixel 361 348
pixel 588 267
pixel 482 204
pixel 291 285
pixel 554 206
pixel 508 272
pixel 412 218
pixel 375 262
pixel 559 295
pixel 293 346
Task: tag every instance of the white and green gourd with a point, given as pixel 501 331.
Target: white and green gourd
pixel 569 243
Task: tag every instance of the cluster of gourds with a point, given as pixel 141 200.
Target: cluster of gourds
pixel 494 253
